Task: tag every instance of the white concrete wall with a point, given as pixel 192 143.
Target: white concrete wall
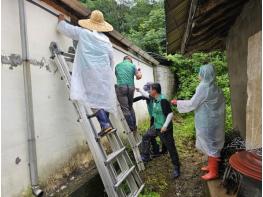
pixel 13 141
pixel 57 132
pixel 165 77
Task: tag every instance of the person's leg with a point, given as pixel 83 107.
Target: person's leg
pixel 164 149
pixel 130 103
pixel 122 95
pixel 168 140
pixel 146 143
pixel 212 169
pixel 206 168
pixel 155 147
pixel 103 119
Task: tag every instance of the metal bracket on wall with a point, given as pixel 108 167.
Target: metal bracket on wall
pixel 15 60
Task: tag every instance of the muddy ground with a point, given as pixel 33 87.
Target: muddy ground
pixel 157 175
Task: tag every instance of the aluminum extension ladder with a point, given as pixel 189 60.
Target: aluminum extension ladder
pixel 134 139
pixel 118 174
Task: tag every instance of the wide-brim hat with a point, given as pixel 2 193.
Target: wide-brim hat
pixel 96 22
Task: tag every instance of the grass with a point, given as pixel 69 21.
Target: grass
pixel 184 130
pixel 150 194
pixel 144 125
pixel 184 125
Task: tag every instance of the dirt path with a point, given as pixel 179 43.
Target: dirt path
pixel 158 172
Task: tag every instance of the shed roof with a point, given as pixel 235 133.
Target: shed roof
pixel 77 11
pixel 199 25
pixel 176 20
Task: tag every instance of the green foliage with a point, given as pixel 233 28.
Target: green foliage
pixel 150 34
pixel 187 68
pixel 144 125
pixel 184 129
pixel 142 21
pixel 150 194
pixel 114 13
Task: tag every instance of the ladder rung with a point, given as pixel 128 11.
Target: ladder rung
pixel 123 176
pixel 114 155
pixel 137 193
pixel 70 55
pixel 91 116
pixel 69 59
pixel 138 144
pixel 105 134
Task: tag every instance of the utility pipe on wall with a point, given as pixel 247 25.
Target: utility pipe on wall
pixel 32 156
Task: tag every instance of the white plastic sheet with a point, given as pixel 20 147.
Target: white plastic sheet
pixel 209 106
pixel 92 80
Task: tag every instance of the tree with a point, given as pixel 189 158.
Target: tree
pixel 150 34
pixel 142 21
pixel 113 12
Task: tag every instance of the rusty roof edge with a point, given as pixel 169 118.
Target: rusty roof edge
pixel 83 11
pixel 188 29
pixel 166 23
pixel 77 6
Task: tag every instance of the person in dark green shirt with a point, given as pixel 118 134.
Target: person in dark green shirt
pixel 162 126
pixel 125 73
pixel 155 150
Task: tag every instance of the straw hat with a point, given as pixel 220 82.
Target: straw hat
pixel 96 22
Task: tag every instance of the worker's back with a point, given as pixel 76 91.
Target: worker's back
pixel 92 76
pixel 95 47
pixel 125 72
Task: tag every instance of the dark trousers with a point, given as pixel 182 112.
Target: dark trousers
pixel 125 97
pixel 166 138
pixel 103 118
pixel 154 144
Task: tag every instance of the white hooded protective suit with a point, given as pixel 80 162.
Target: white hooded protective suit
pixel 92 81
pixel 209 106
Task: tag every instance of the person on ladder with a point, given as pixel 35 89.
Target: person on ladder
pixel 125 72
pixel 92 81
pixel 162 126
pixel 208 103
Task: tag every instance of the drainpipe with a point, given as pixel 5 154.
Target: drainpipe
pixel 32 156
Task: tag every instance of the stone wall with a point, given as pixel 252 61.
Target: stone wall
pixel 246 25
